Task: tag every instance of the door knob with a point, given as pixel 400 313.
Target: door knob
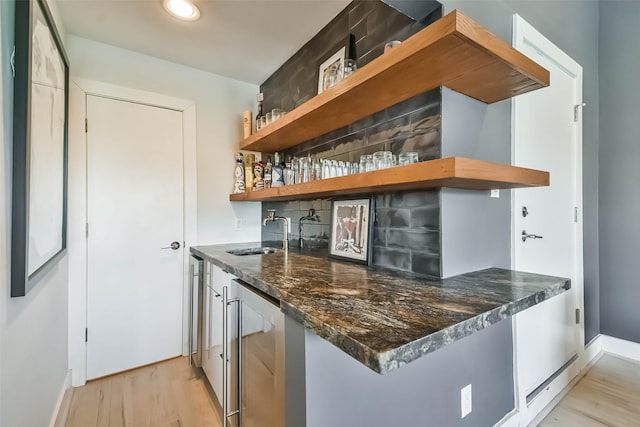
pixel 526 236
pixel 174 245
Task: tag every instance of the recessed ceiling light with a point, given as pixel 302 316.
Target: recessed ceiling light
pixel 182 9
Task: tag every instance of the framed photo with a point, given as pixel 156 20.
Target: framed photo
pixel 351 230
pixel 343 51
pixel 40 116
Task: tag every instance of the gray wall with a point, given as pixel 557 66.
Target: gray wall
pixel 33 329
pixel 619 172
pixel 476 228
pixel 573 26
pixel 341 392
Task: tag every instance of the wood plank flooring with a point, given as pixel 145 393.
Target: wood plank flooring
pixel 165 394
pixel 608 395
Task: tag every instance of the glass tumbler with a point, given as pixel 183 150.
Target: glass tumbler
pixel 407 158
pixel 276 113
pixel 350 66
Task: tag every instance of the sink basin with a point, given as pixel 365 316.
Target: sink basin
pixel 254 251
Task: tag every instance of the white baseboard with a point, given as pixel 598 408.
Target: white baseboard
pixel 619 347
pixel 63 400
pixel 564 383
pixel 512 419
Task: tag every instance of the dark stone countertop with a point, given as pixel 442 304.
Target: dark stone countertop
pixel 384 318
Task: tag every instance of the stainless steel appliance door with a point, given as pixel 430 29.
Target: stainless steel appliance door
pixel 261 359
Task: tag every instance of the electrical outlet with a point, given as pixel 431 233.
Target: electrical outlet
pixel 289 224
pixel 495 193
pixel 465 401
pixel 237 224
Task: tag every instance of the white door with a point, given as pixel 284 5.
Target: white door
pixel 548 137
pixel 135 208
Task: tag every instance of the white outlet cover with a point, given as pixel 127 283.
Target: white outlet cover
pixel 238 224
pixel 289 224
pixel 495 193
pixel 465 401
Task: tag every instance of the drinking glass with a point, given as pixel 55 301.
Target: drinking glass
pixel 263 121
pixel 276 113
pixel 350 66
pixel 269 117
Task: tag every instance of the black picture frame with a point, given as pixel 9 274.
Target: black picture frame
pixel 352 243
pixel 40 146
pixel 336 52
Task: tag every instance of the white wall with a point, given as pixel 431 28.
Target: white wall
pixel 220 102
pixel 33 329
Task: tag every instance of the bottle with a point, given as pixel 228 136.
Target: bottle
pixel 267 173
pixel 258 175
pixel 259 115
pixel 249 159
pixel 277 179
pixel 288 172
pixel 238 173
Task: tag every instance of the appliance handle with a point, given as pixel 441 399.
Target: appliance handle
pixel 239 353
pixel 192 277
pixel 226 302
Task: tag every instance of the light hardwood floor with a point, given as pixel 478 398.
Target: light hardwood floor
pixel 608 395
pixel 165 394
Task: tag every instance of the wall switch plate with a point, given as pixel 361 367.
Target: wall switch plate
pixel 238 224
pixel 495 193
pixel 465 401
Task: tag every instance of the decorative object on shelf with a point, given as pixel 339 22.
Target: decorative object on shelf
pixel 41 102
pixel 351 230
pixel 331 66
pixel 258 175
pixel 238 173
pixel 247 123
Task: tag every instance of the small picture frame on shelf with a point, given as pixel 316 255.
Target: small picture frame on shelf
pixel 351 230
pixel 335 58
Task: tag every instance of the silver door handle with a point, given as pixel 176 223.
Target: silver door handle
pixel 526 236
pixel 174 245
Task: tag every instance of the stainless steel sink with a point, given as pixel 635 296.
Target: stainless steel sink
pixel 254 251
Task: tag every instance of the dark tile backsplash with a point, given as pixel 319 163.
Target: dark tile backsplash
pixel 406 233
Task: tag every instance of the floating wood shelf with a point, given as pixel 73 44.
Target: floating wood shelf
pixel 454 51
pixel 452 172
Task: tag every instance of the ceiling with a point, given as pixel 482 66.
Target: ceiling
pixel 243 39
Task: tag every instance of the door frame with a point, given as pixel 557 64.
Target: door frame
pixel 525 34
pixel 78 208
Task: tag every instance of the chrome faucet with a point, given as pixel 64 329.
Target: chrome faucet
pixel 311 216
pixel 273 218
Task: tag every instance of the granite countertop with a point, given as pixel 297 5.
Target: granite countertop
pixel 384 318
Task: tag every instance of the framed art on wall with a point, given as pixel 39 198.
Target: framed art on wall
pixel 40 115
pixel 351 230
pixel 334 60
